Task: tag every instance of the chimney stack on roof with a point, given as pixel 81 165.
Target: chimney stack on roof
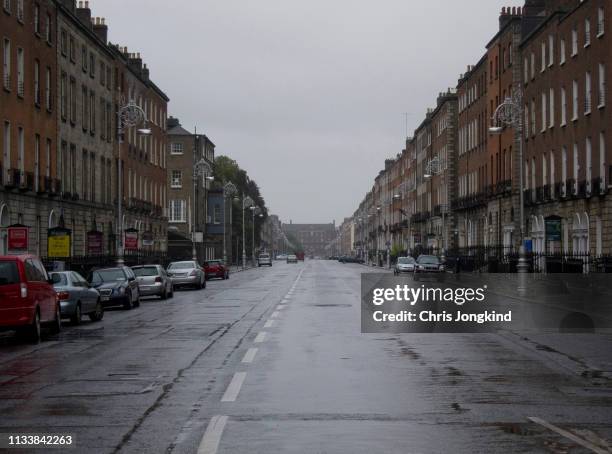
pixel 100 28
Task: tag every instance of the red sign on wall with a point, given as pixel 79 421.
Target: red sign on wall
pixel 18 238
pixel 131 239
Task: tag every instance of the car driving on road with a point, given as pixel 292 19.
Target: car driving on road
pixel 153 281
pixel 427 265
pixel 264 259
pixel 186 274
pixel 76 297
pixel 27 298
pixel 404 265
pixel 216 268
pixel 292 258
pixel 117 286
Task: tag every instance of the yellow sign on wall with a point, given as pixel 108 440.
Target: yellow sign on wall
pixel 58 243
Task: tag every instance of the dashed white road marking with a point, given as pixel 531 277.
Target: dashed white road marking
pixel 249 356
pixel 275 314
pixel 575 438
pixel 212 436
pixel 231 393
pixel 269 324
pixel 260 337
pixel 280 307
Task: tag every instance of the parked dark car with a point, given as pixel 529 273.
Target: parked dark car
pixel 153 281
pixel 429 264
pixel 216 268
pixel 27 298
pixel 76 297
pixel 117 286
pixel 349 259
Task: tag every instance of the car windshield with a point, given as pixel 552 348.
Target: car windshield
pixel 429 260
pixel 9 273
pixel 145 271
pixel 59 279
pixel 109 275
pixel 264 256
pixel 405 260
pixel 214 262
pixel 181 266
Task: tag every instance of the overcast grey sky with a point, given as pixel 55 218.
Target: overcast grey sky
pixel 307 95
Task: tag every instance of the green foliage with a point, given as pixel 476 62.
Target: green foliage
pixel 396 250
pixel 227 170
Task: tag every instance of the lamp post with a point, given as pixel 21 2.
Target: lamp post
pixel 509 113
pixel 435 167
pixel 128 116
pixel 200 168
pixel 229 189
pixel 246 203
pixel 255 210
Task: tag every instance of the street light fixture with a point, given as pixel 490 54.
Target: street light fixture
pixel 436 167
pixel 200 168
pixel 509 113
pixel 246 203
pixel 229 189
pixel 128 116
pixel 255 210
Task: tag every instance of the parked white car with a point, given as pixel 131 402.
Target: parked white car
pixel 264 259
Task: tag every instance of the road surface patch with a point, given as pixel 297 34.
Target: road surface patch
pixel 231 393
pixel 212 435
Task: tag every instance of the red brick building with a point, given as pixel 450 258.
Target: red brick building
pixel 28 126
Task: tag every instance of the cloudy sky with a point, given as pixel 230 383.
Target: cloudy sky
pixel 307 95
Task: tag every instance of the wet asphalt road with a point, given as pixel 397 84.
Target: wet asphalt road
pixel 273 361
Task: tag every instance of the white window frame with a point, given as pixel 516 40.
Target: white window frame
pixel 562 51
pixel 601 22
pixel 551 102
pixel 563 107
pixel 588 93
pixel 551 50
pixel 587 32
pixel 574 100
pixel 544 107
pixel 574 42
pixel 176 179
pixel 176 148
pixel 601 98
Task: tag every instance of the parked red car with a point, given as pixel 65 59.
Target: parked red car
pixel 27 297
pixel 216 268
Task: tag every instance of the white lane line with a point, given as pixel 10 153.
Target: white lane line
pixel 260 337
pixel 269 324
pixel 231 393
pixel 280 307
pixel 249 356
pixel 576 439
pixel 275 314
pixel 212 435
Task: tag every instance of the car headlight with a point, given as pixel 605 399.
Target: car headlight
pixel 421 267
pixel 441 267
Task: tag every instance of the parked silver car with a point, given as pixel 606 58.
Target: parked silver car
pixel 264 259
pixel 186 273
pixel 76 297
pixel 404 265
pixel 153 281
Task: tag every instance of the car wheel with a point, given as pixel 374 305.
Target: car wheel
pixel 164 294
pixel 128 305
pixel 56 325
pixel 137 302
pixel 76 318
pixel 98 314
pixel 171 291
pixel 32 332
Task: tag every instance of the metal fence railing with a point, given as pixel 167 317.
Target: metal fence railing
pixel 84 264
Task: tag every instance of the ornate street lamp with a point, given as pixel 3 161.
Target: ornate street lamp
pixel 509 113
pixel 128 116
pixel 229 190
pixel 200 169
pixel 247 202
